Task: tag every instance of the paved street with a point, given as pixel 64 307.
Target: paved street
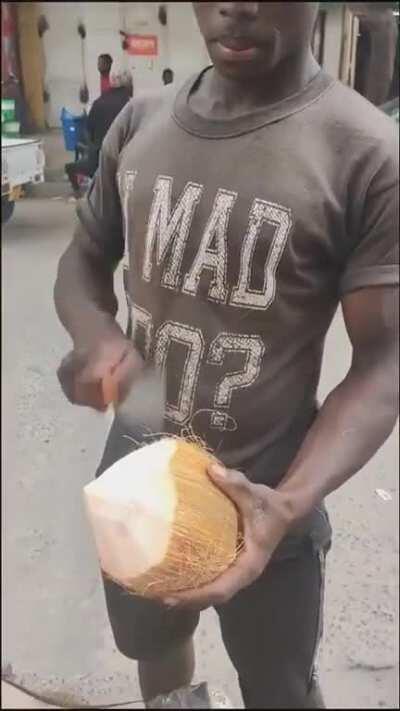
pixel 56 639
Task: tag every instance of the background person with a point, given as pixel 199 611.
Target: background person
pixel 167 76
pixel 104 64
pixel 102 114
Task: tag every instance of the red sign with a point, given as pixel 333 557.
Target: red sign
pixel 142 45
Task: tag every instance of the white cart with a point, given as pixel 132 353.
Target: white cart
pixel 22 162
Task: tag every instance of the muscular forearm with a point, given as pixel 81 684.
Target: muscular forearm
pixel 84 295
pixel 353 423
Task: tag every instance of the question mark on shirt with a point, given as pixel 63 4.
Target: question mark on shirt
pixel 252 348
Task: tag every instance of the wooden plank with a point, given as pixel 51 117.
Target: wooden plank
pixel 31 58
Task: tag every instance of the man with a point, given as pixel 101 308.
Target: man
pixel 248 205
pixel 103 112
pixel 104 64
pixel 167 76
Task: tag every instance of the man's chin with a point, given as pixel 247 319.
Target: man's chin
pixel 242 72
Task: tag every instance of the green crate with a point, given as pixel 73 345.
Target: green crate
pixel 7 110
pixel 7 104
pixel 10 128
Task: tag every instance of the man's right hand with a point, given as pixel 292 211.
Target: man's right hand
pixel 97 376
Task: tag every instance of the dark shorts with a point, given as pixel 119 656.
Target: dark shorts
pixel 271 630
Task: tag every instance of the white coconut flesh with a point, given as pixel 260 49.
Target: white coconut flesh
pixel 132 516
pixel 159 524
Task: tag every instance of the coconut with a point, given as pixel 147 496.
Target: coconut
pixel 160 524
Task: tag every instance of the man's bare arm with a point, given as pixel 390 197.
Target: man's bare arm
pixel 103 361
pixel 359 414
pixel 84 292
pixel 353 423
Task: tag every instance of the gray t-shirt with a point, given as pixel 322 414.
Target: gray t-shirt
pixel 239 238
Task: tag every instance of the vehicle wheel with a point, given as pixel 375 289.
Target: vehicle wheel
pixel 7 209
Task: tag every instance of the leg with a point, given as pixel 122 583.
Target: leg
pixel 72 172
pixel 272 630
pixel 144 630
pixel 158 638
pixel 80 167
pixel 169 672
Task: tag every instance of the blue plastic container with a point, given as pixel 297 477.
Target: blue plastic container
pixel 73 129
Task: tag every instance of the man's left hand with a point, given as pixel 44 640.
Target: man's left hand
pixel 265 520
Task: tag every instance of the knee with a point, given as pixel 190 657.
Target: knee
pixel 151 654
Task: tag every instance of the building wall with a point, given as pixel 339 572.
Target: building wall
pixel 180 47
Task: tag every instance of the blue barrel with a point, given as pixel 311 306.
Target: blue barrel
pixel 73 129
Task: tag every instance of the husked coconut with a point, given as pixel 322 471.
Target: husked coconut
pixel 160 524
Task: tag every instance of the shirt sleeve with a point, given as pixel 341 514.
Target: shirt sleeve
pixel 100 212
pixel 374 258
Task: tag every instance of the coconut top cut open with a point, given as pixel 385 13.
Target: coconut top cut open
pixel 160 524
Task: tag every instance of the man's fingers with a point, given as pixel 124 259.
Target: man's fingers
pixel 235 485
pixel 66 374
pixel 90 394
pixel 126 373
pixel 241 574
pixel 104 382
pixel 98 376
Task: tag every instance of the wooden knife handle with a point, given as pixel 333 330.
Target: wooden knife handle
pixel 110 390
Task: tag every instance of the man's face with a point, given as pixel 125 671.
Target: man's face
pixel 246 40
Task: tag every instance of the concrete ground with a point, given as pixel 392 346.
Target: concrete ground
pixel 12 698
pixel 55 636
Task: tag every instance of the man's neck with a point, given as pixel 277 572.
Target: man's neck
pixel 224 98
